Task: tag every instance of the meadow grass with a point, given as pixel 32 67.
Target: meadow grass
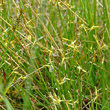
pixel 54 54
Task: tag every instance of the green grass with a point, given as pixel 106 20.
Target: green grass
pixel 54 55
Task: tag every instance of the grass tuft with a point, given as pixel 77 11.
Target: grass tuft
pixel 54 55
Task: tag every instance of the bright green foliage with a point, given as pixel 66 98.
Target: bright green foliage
pixel 54 54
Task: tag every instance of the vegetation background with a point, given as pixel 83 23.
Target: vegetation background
pixel 54 54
